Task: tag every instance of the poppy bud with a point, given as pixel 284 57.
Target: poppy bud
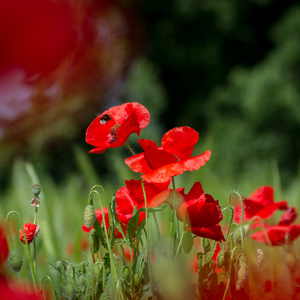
pixel 82 279
pixel 59 265
pixel 93 241
pixel 125 271
pixel 187 243
pixel 97 272
pixel 15 260
pixel 239 235
pixel 70 291
pixel 291 261
pixel 36 189
pixel 89 216
pixel 260 257
pixel 243 273
pixel 221 259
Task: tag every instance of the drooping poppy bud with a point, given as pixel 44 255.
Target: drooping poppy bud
pixel 243 273
pixel 70 291
pixel 31 231
pixel 291 261
pixel 93 241
pixel 260 257
pixel 15 260
pixel 89 216
pixel 239 235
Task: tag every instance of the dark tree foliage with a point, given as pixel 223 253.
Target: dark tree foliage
pixel 231 70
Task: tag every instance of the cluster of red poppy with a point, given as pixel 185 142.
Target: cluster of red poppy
pixel 261 205
pixel 199 212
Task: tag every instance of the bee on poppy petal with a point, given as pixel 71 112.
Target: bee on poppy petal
pixel 104 119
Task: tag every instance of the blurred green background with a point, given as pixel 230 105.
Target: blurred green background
pixel 229 69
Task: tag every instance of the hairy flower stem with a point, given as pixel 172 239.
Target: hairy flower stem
pixel 33 273
pixel 51 285
pixel 97 227
pixel 147 227
pixel 174 208
pixel 148 240
pixel 34 244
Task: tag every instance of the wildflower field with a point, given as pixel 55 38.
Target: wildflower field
pixel 166 226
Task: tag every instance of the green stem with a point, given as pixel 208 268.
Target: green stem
pixel 180 242
pixel 147 239
pixel 157 227
pixel 33 273
pixel 112 261
pixel 90 279
pixel 230 224
pixel 174 208
pixel 51 285
pixel 147 227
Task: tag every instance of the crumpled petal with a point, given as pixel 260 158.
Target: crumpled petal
pixel 167 171
pixel 213 233
pixel 187 136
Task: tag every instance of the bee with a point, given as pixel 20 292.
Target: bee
pixel 104 119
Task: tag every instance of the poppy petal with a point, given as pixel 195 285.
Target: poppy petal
pixel 187 136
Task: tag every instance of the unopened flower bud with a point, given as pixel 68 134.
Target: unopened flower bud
pixel 291 261
pixel 70 291
pixel 36 189
pixel 59 265
pixel 221 259
pixel 93 241
pixel 15 260
pixel 239 235
pixel 89 216
pixel 126 271
pixel 243 273
pixel 260 257
pixel 97 272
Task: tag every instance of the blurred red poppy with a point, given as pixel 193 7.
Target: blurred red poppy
pixel 260 203
pixel 113 127
pixel 16 292
pixel 173 158
pixel 4 251
pixel 289 216
pixel 31 231
pixel 277 234
pixel 132 195
pixel 202 214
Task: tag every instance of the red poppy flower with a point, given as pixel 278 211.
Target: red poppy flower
pixel 202 214
pixel 159 164
pixel 123 219
pixel 260 203
pixel 113 127
pixel 4 251
pixel 10 290
pixel 289 216
pixel 31 231
pixel 277 234
pixel 132 195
